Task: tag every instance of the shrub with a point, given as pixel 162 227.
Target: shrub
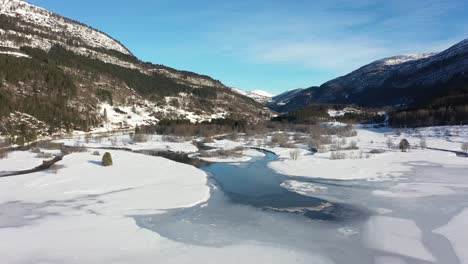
pixel 3 154
pixel 281 139
pixel 44 155
pixel 337 155
pixel 139 138
pixel 208 140
pixel 390 143
pixel 377 151
pixel 233 136
pixel 36 150
pixel 3 150
pixel 464 147
pixel 107 159
pixel 294 154
pixel 20 141
pixel 352 145
pixel 423 143
pixel 96 153
pixel 404 145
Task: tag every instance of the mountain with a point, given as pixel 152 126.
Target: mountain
pixel 57 74
pixel 401 81
pixel 279 102
pixel 259 96
pixel 262 93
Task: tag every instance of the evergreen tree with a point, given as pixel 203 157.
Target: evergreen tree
pixel 107 159
pixel 404 145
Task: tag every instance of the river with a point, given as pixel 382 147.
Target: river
pixel 249 205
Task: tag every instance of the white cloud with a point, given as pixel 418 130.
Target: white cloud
pixel 338 36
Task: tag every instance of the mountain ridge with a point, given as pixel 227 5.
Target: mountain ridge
pixel 70 76
pixel 398 81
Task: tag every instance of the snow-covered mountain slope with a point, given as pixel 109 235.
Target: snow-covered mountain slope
pixel 279 101
pixel 64 74
pixel 262 93
pixel 63 29
pixel 25 25
pixel 259 96
pixel 394 81
pixel 28 25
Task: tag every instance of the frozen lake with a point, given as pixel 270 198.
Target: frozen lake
pixel 340 221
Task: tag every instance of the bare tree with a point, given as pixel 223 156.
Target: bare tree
pixel 464 147
pixel 423 143
pixel 337 155
pixel 390 143
pixel 294 154
pixel 281 139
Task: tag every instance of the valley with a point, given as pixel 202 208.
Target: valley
pixel 338 197
pixel 108 158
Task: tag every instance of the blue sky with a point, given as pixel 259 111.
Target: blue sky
pixel 272 45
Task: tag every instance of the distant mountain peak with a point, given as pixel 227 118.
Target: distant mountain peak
pixel 395 60
pixel 262 93
pixel 259 96
pixel 94 81
pixel 403 80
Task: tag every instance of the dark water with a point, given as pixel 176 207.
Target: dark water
pixel 256 185
pixel 248 204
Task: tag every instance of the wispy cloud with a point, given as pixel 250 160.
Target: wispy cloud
pixel 341 35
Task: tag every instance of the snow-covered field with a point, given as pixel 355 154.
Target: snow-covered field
pixel 82 212
pixel 79 213
pixel 151 142
pixel 361 164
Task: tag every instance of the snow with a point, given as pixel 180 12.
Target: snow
pixel 44 18
pixel 257 95
pixel 262 93
pixel 455 231
pixel 316 167
pixel 304 188
pixel 130 116
pixel 418 190
pixel 94 205
pixel 225 144
pixel 405 58
pixel 80 213
pixel 396 235
pixel 15 54
pixel 390 164
pixel 154 142
pixel 132 175
pixel 19 160
pixel 333 124
pixel 246 155
pixel 389 260
pixel 126 116
pixel 335 113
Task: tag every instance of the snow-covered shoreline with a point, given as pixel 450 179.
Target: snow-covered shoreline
pixel 86 211
pixel 389 164
pixel 86 202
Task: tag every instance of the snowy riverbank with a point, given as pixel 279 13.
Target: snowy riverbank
pixel 80 212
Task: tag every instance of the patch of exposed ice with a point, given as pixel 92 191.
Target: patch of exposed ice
pixel 415 190
pixel 457 233
pixel 396 235
pixel 304 188
pixel 389 260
